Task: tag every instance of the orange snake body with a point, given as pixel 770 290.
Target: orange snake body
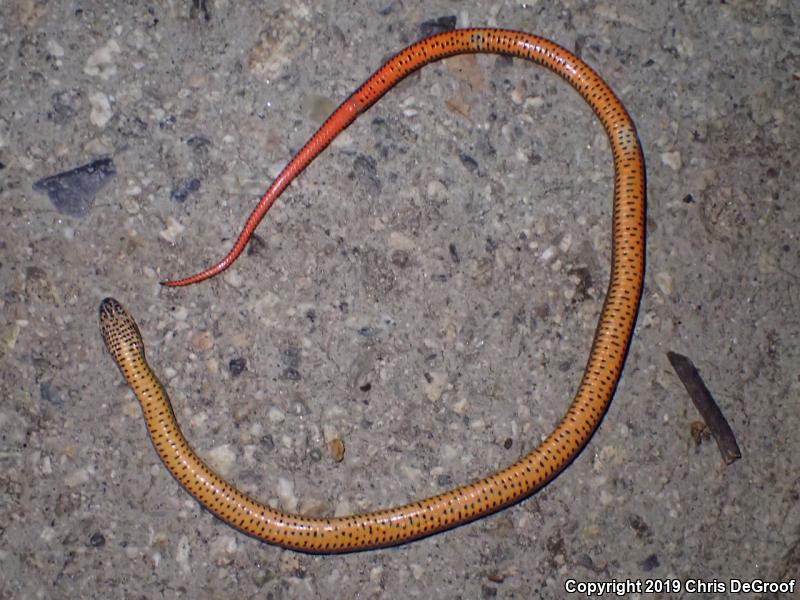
pixel 469 502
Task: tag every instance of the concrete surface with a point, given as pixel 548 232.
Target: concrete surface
pixel 426 292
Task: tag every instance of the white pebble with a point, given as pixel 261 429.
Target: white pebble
pixel 222 548
pixel 434 385
pixel 435 189
pixel 376 574
pixel 48 534
pixel 233 278
pixel 182 554
pixel 101 109
pixel 77 478
pixel 101 62
pixel 54 48
pixel 534 102
pixel 174 228
pixel 222 458
pixel 664 282
pixel 460 407
pixel 548 254
pixel 275 415
pixel 672 160
pixel 286 494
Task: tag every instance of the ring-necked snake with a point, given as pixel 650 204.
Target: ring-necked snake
pixel 529 473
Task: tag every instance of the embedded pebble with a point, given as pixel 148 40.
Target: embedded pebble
pixel 343 508
pixel 50 394
pixel 565 243
pixel 222 549
pixel 548 254
pixel 73 192
pixel 435 383
pixel 222 458
pixel 101 62
pixel 767 263
pixel 533 102
pixel 285 491
pixel 664 282
pixel 336 447
pixel 435 190
pixel 313 507
pixel 8 338
pixel 202 341
pixel 276 415
pixel 182 554
pixel 411 473
pixel 233 278
pixel 460 407
pixel 174 229
pixel 48 534
pixel 180 313
pixel 236 366
pixel 398 241
pixel 76 478
pixel 672 160
pixel 101 113
pixel 54 48
pixel 183 189
pixel 376 574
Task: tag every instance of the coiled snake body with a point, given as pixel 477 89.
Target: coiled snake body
pixel 529 473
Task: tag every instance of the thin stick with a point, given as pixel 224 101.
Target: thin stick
pixel 708 409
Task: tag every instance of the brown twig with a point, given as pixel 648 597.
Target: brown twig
pixel 708 409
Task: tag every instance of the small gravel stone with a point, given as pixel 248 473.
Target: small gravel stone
pixel 101 112
pixel 184 188
pixel 672 160
pixel 101 62
pixel 50 394
pixel 336 447
pixel 172 231
pixel 236 366
pixel 286 494
pixel 222 457
pixel 664 282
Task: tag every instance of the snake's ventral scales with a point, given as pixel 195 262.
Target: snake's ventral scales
pixel 466 503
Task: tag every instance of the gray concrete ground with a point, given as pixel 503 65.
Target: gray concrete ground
pixel 425 292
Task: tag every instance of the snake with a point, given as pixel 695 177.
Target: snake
pixel 507 486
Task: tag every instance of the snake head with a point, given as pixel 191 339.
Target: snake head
pixel 120 332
